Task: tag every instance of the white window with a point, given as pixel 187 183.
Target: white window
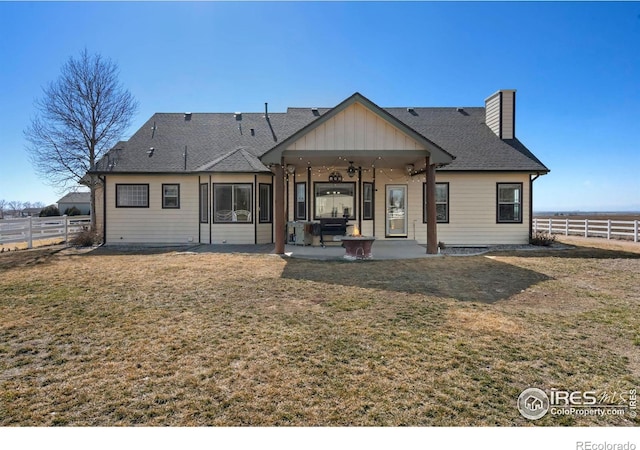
pixel 232 203
pixel 509 199
pixel 204 203
pixel 442 203
pixel 264 202
pixel 171 196
pixel 335 200
pixel 300 212
pixel 132 195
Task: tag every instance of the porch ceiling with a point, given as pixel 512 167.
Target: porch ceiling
pixel 393 159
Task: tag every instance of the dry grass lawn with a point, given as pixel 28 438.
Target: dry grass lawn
pixel 106 338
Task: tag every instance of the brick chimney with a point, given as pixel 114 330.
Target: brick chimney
pixel 500 113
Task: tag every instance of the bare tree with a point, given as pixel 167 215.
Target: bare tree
pixel 14 207
pixel 80 116
pixel 3 206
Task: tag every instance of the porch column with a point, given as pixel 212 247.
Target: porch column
pixel 432 230
pixel 279 219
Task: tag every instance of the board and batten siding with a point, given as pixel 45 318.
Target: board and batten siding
pixel 355 128
pixel 153 225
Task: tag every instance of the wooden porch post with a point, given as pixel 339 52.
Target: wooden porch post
pixel 279 219
pixel 432 230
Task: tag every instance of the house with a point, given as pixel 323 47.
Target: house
pixel 455 175
pixel 79 200
pixel 30 212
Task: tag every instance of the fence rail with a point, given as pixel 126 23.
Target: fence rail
pixel 30 229
pixel 611 229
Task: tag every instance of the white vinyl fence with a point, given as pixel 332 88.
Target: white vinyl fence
pixel 32 229
pixel 611 229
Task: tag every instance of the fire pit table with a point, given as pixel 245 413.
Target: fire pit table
pixel 358 247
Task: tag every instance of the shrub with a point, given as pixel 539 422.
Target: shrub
pixel 542 239
pixel 86 238
pixel 73 211
pixel 48 211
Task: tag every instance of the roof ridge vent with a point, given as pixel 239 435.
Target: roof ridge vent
pixel 187 116
pixel 412 111
pixel 315 111
pixel 237 115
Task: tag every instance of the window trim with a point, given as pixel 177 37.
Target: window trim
pixel 373 200
pixel 164 206
pixel 251 199
pixel 296 216
pixel 131 206
pixel 353 183
pixel 203 201
pixel 520 203
pixel 270 202
pixel 424 202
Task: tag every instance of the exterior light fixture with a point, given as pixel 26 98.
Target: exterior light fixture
pixel 409 168
pixel 351 171
pixel 335 177
pixel 291 168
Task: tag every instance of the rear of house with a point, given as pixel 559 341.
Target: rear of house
pixel 238 177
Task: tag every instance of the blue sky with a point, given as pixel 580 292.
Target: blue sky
pixel 576 67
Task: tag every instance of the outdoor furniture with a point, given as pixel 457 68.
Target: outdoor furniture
pixel 241 215
pixel 333 227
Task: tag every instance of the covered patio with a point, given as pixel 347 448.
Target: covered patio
pixel 357 162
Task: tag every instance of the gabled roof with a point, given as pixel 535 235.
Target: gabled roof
pixel 438 154
pixel 76 197
pixel 225 142
pixel 238 160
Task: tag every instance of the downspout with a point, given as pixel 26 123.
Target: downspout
pixel 199 210
pixel 531 180
pixel 210 207
pixel 309 217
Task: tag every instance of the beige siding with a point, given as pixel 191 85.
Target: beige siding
pixel 472 210
pixel 492 111
pixel 153 224
pixel 264 233
pixel 356 128
pixel 472 206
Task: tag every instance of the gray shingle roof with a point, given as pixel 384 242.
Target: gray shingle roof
pixel 218 142
pixel 76 197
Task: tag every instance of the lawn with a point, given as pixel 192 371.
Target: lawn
pixel 107 338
